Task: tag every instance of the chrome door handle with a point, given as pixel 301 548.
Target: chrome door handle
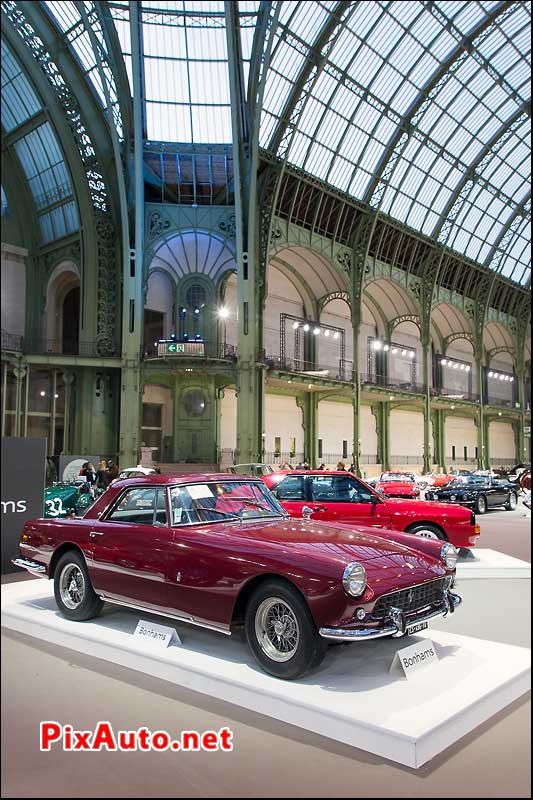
pixel 95 533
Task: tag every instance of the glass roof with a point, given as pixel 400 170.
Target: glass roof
pixel 420 110
pixel 19 101
pixel 38 152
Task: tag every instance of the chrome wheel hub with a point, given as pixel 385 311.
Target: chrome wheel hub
pixel 427 534
pixel 72 586
pixel 276 629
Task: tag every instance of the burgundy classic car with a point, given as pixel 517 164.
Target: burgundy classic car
pixel 397 484
pixel 219 551
pixel 342 497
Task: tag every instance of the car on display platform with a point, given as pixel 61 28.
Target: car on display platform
pixel 478 492
pixel 397 484
pixel 438 478
pixel 251 469
pixel 220 552
pixel 67 499
pixel 136 472
pixel 341 497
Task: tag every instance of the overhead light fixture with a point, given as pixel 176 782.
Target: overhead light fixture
pixel 326 333
pixel 452 408
pixel 499 413
pixel 223 312
pixel 295 326
pixel 394 350
pixel 310 385
pixel 462 366
pixel 511 378
pixel 468 367
pixel 56 396
pixel 456 366
pixel 491 373
pixel 336 335
pixel 386 347
pixel 316 331
pixel 412 354
pixel 391 397
pixel 377 345
pixel 404 352
pixel 502 377
pixel 443 362
pixel 196 311
pixel 306 327
pixel 43 394
pixel 289 381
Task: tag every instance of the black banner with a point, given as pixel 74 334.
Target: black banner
pixel 23 475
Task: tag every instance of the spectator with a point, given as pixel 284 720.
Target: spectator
pixel 299 465
pixel 87 472
pixel 112 471
pixel 83 468
pixel 102 475
pixel 306 466
pixel 322 467
pixel 341 466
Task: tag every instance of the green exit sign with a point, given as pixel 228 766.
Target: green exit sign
pixel 175 347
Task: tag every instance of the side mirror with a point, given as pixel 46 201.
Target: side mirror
pixel 374 500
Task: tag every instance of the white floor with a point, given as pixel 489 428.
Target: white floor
pixel 352 698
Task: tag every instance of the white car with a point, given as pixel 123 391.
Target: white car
pixel 136 472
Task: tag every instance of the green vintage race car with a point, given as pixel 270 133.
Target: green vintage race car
pixel 68 499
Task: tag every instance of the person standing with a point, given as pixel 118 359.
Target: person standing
pixel 102 476
pixel 341 466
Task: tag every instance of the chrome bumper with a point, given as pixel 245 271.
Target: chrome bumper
pixel 362 634
pixel 31 566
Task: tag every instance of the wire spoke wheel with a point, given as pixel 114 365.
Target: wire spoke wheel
pixel 72 586
pixel 276 629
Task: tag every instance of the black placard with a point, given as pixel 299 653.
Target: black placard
pixel 23 475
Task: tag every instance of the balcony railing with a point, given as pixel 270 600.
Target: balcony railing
pixel 500 401
pixel 180 351
pixel 342 371
pixel 12 341
pixel 454 394
pixel 385 382
pixel 53 347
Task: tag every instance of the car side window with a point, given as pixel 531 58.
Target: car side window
pixel 290 488
pixel 136 506
pixel 339 489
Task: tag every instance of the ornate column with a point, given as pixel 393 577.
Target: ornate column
pixel 426 372
pixel 381 412
pixel 20 372
pixel 439 418
pixel 68 379
pixel 308 402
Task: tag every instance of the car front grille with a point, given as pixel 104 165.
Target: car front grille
pixel 411 599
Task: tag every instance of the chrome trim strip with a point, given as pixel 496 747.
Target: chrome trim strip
pixel 362 634
pixel 190 620
pixel 31 566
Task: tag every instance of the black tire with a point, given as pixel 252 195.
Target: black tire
pixel 309 647
pixel 512 502
pixel 80 602
pixel 481 504
pixel 427 530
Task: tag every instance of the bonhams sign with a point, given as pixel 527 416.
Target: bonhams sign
pixel 23 471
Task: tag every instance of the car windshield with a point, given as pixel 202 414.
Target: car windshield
pixel 218 501
pixel 471 480
pixel 397 476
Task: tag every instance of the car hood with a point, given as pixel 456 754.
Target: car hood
pixel 60 491
pixel 341 543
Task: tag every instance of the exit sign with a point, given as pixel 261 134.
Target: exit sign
pixel 177 349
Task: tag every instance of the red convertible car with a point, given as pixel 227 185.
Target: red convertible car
pixel 219 551
pixel 343 498
pixel 397 484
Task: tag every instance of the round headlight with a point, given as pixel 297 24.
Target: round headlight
pixel 449 555
pixel 354 579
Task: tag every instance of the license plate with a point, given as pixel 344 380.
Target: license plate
pixel 421 626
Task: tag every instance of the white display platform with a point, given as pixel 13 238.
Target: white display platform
pixel 496 592
pixel 352 697
pixel 492 564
